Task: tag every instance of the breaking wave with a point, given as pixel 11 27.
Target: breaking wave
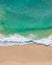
pixel 16 39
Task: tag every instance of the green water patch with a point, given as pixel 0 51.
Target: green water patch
pixel 37 33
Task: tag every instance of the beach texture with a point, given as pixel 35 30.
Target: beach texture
pixel 30 54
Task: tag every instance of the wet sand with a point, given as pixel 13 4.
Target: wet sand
pixel 30 54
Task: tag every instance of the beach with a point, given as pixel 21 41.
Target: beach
pixel 30 54
pixel 22 23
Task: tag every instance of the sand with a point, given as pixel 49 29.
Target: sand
pixel 30 54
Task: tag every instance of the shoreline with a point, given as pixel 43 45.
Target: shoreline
pixel 16 39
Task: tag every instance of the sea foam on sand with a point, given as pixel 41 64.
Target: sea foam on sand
pixel 17 39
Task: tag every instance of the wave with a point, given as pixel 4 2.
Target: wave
pixel 16 39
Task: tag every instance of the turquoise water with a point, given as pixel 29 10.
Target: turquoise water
pixel 26 17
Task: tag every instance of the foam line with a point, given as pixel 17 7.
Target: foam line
pixel 17 39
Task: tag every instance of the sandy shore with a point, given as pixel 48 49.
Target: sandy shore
pixel 30 54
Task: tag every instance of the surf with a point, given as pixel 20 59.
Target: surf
pixel 16 39
pixel 28 19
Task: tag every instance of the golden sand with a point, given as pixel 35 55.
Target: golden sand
pixel 30 54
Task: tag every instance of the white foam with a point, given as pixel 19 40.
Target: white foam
pixel 17 39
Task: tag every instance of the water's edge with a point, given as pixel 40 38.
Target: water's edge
pixel 16 39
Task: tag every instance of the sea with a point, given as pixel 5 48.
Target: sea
pixel 25 22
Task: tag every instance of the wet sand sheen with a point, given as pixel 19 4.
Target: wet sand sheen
pixel 26 55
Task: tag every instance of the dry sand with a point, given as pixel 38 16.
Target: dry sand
pixel 30 54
